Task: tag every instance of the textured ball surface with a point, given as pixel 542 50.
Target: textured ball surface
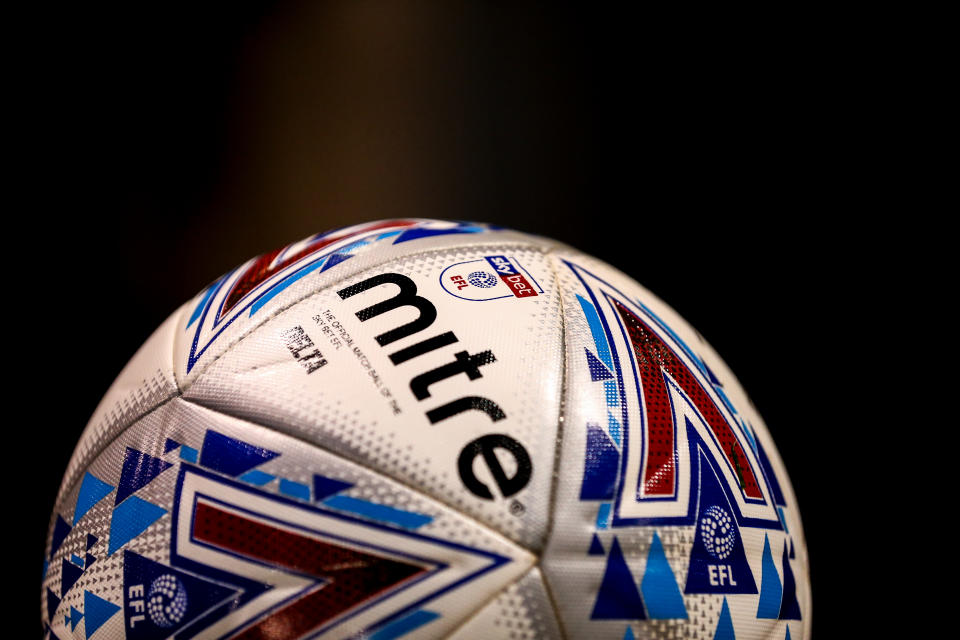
pixel 425 429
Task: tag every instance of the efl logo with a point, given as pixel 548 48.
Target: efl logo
pixel 489 278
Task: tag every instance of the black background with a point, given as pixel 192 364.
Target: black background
pixel 709 159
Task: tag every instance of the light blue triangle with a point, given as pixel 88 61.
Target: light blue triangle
pixel 771 591
pixel 257 477
pixel 787 637
pixel 612 393
pixel 98 611
pixel 783 520
pixel 613 426
pixel 661 595
pixel 294 489
pixel 603 515
pixel 130 519
pixel 725 624
pixel 745 427
pixel 628 634
pixel 92 491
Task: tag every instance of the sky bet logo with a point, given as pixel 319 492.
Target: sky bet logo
pixel 489 278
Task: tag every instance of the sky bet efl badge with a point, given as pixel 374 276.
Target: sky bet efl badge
pixel 489 278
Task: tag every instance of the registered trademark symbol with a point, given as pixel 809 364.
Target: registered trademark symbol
pixel 517 508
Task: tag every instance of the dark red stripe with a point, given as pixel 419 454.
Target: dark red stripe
pixel 353 576
pixel 653 356
pixel 261 269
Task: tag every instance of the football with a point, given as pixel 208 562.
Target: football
pixel 425 429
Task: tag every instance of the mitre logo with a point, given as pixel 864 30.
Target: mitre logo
pixel 465 363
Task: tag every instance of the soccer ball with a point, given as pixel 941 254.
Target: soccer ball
pixel 425 429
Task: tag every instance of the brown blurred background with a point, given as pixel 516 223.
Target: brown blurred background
pixel 165 145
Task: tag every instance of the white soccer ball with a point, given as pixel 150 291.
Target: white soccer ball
pixel 426 429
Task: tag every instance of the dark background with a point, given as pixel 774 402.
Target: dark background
pixel 710 159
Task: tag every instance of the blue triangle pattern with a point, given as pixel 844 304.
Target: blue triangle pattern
pixel 787 637
pixel 793 555
pixel 97 610
pixel 60 530
pixel 709 372
pixel 783 520
pixel 334 260
pixel 139 469
pixel 75 618
pixel 596 547
pixel 91 540
pixel 69 574
pixel 725 624
pixel 745 427
pixel 618 597
pixel 324 487
pixel 789 606
pixel 170 445
pixel 52 603
pixel 661 594
pixel 90 560
pixel 613 426
pixel 600 465
pixel 596 330
pixel 611 393
pixel 294 489
pixel 628 634
pixel 598 371
pixel 603 515
pixel 770 590
pixel 257 477
pixel 230 456
pixel 416 233
pixel 130 519
pixel 92 491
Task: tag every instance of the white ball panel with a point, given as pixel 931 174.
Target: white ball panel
pixel 146 381
pixel 362 405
